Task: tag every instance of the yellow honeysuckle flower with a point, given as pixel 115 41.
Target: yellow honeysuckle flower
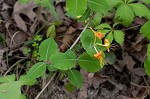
pixel 99 56
pixel 97 34
pixel 106 44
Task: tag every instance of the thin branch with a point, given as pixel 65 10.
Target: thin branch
pixel 139 85
pixel 14 66
pixel 132 27
pixel 76 41
pixel 46 85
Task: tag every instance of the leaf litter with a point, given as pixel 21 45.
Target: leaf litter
pixel 126 79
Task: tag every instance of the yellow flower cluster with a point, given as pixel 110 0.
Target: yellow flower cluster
pixel 106 44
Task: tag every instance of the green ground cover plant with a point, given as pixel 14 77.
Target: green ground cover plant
pixel 96 38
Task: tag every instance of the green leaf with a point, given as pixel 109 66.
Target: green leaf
pixel 51 68
pixel 110 58
pixel 146 1
pixel 47 48
pixel 148 52
pixel 51 32
pixel 86 14
pixel 113 3
pixel 36 70
pixel 76 7
pixel 140 10
pixel 96 20
pixel 27 81
pixel 145 29
pixel 10 90
pixel 105 26
pixel 125 14
pixel 109 36
pixel 64 61
pixel 75 78
pixel 119 36
pixel 99 5
pixel 22 96
pixel 104 31
pixel 130 1
pixel 8 78
pixel 70 87
pixel 88 63
pixel 147 67
pixel 87 39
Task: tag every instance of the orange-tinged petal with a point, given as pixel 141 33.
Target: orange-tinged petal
pixel 97 34
pixel 101 59
pixel 99 56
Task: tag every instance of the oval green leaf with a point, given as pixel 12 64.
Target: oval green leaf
pixel 119 36
pixel 47 48
pixel 10 90
pixel 147 67
pixel 8 78
pixel 51 68
pixel 51 32
pixel 64 61
pixel 88 63
pixel 76 7
pixel 109 36
pixel 36 70
pixel 75 78
pixel 99 5
pixel 87 39
pixel 22 96
pixel 27 81
pixel 124 14
pixel 145 29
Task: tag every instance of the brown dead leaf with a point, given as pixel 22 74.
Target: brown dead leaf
pixel 123 97
pixel 139 21
pixel 119 65
pixel 1 55
pixel 97 80
pixel 139 71
pixel 82 94
pixel 5 6
pixel 137 46
pixel 128 60
pixel 61 29
pixel 66 21
pixel 17 39
pixel 26 9
pixel 67 39
pixel 140 55
pixel 3 66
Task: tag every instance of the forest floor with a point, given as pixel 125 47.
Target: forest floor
pixel 19 24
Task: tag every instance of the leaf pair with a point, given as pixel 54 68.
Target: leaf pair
pixel 77 8
pixel 126 12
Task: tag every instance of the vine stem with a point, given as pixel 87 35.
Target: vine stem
pixel 14 66
pixel 46 85
pixel 76 41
